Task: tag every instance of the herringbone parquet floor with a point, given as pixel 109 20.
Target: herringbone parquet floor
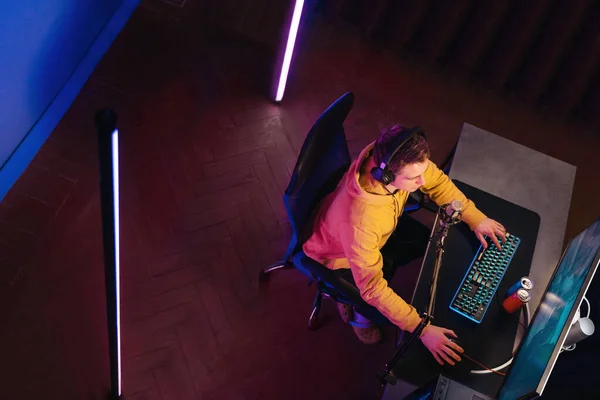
pixel 205 159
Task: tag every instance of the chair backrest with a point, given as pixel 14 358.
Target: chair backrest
pixel 322 162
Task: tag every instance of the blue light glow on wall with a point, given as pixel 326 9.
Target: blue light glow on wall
pixel 48 49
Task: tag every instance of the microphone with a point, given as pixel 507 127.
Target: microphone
pixel 450 213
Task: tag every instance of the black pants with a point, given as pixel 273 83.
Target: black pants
pixel 407 243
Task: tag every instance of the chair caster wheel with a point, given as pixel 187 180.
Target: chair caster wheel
pixel 313 321
pixel 313 324
pixel 263 276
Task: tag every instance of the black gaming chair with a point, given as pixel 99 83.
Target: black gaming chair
pixel 323 160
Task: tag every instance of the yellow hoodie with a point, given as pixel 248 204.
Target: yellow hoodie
pixel 357 218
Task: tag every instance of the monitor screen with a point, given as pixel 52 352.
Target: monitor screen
pixel 548 328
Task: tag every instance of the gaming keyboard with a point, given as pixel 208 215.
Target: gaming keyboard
pixel 483 277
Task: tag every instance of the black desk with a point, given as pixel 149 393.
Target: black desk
pixel 491 341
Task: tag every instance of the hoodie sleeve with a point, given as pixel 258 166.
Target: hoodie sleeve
pixel 366 262
pixel 442 191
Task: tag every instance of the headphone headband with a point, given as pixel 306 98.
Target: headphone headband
pixel 382 173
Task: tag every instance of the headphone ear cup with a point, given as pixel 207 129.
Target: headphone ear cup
pixel 388 177
pixel 384 175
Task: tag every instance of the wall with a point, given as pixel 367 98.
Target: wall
pixel 543 53
pixel 48 49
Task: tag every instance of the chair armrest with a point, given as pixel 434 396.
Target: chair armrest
pixel 315 270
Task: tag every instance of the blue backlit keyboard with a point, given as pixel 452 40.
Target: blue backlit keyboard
pixel 483 277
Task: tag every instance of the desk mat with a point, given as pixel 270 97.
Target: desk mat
pixel 491 341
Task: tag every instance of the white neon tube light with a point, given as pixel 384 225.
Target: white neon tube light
pixel 115 157
pixel 289 49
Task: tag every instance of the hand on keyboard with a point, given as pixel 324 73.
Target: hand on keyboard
pixel 436 340
pixel 483 276
pixel 492 229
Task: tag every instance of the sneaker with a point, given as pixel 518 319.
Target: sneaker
pixel 368 335
pixel 365 330
pixel 346 312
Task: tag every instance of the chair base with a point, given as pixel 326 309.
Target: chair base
pixel 313 320
pixel 263 276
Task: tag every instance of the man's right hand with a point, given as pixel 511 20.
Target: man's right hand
pixel 436 340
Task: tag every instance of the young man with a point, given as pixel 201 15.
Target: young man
pixel 354 223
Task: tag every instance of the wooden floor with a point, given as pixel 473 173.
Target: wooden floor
pixel 205 158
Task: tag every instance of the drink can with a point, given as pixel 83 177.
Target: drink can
pixel 523 283
pixel 513 302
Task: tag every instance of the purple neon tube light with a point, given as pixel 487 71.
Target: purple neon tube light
pixel 115 159
pixel 289 49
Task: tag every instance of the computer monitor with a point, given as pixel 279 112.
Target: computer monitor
pixel 548 329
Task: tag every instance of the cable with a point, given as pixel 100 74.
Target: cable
pixel 506 364
pixel 489 370
pixel 569 348
pixel 527 315
pixel 588 306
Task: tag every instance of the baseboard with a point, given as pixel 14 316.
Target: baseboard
pixel 37 135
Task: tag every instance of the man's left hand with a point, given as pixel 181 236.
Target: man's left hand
pixel 492 229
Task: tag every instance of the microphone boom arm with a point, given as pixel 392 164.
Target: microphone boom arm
pixel 449 214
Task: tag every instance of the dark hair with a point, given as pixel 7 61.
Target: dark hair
pixel 414 150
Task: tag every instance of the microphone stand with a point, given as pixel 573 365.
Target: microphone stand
pixel 446 220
